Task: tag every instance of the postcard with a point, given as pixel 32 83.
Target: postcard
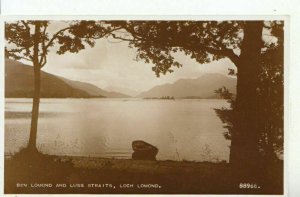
pixel 168 106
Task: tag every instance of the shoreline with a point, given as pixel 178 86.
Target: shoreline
pixel 157 166
pixel 93 175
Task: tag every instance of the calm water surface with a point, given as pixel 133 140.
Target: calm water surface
pixel 181 129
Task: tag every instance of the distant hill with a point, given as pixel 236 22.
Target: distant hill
pixel 125 91
pixel 19 84
pixel 93 90
pixel 202 87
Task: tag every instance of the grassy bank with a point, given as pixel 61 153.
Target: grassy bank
pixel 38 173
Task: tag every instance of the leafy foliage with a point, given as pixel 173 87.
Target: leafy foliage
pixel 158 41
pixel 75 36
pixel 271 91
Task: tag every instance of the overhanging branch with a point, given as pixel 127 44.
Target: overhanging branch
pixel 223 52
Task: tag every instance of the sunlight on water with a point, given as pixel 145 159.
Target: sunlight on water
pixel 181 129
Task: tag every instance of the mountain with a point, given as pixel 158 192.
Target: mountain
pixel 125 91
pixel 19 84
pixel 93 90
pixel 202 87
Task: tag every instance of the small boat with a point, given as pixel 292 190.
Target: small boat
pixel 143 150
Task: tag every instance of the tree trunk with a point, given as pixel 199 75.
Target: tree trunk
pixel 245 138
pixel 36 93
pixel 35 109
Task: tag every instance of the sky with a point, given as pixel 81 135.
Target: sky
pixel 112 64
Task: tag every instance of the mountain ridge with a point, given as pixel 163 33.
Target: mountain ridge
pixel 201 87
pixel 19 83
pixel 122 90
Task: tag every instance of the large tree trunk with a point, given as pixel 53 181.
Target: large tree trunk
pixel 35 110
pixel 245 138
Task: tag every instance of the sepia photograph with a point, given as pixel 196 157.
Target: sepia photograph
pixel 144 106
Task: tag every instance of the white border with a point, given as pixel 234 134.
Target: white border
pixel 183 10
pixel 146 7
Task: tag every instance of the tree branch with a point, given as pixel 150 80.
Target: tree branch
pixel 121 38
pixel 26 25
pixel 44 62
pixel 55 36
pixel 13 52
pixel 108 32
pixel 14 56
pixel 28 31
pixel 223 52
pixel 232 56
pixel 43 59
